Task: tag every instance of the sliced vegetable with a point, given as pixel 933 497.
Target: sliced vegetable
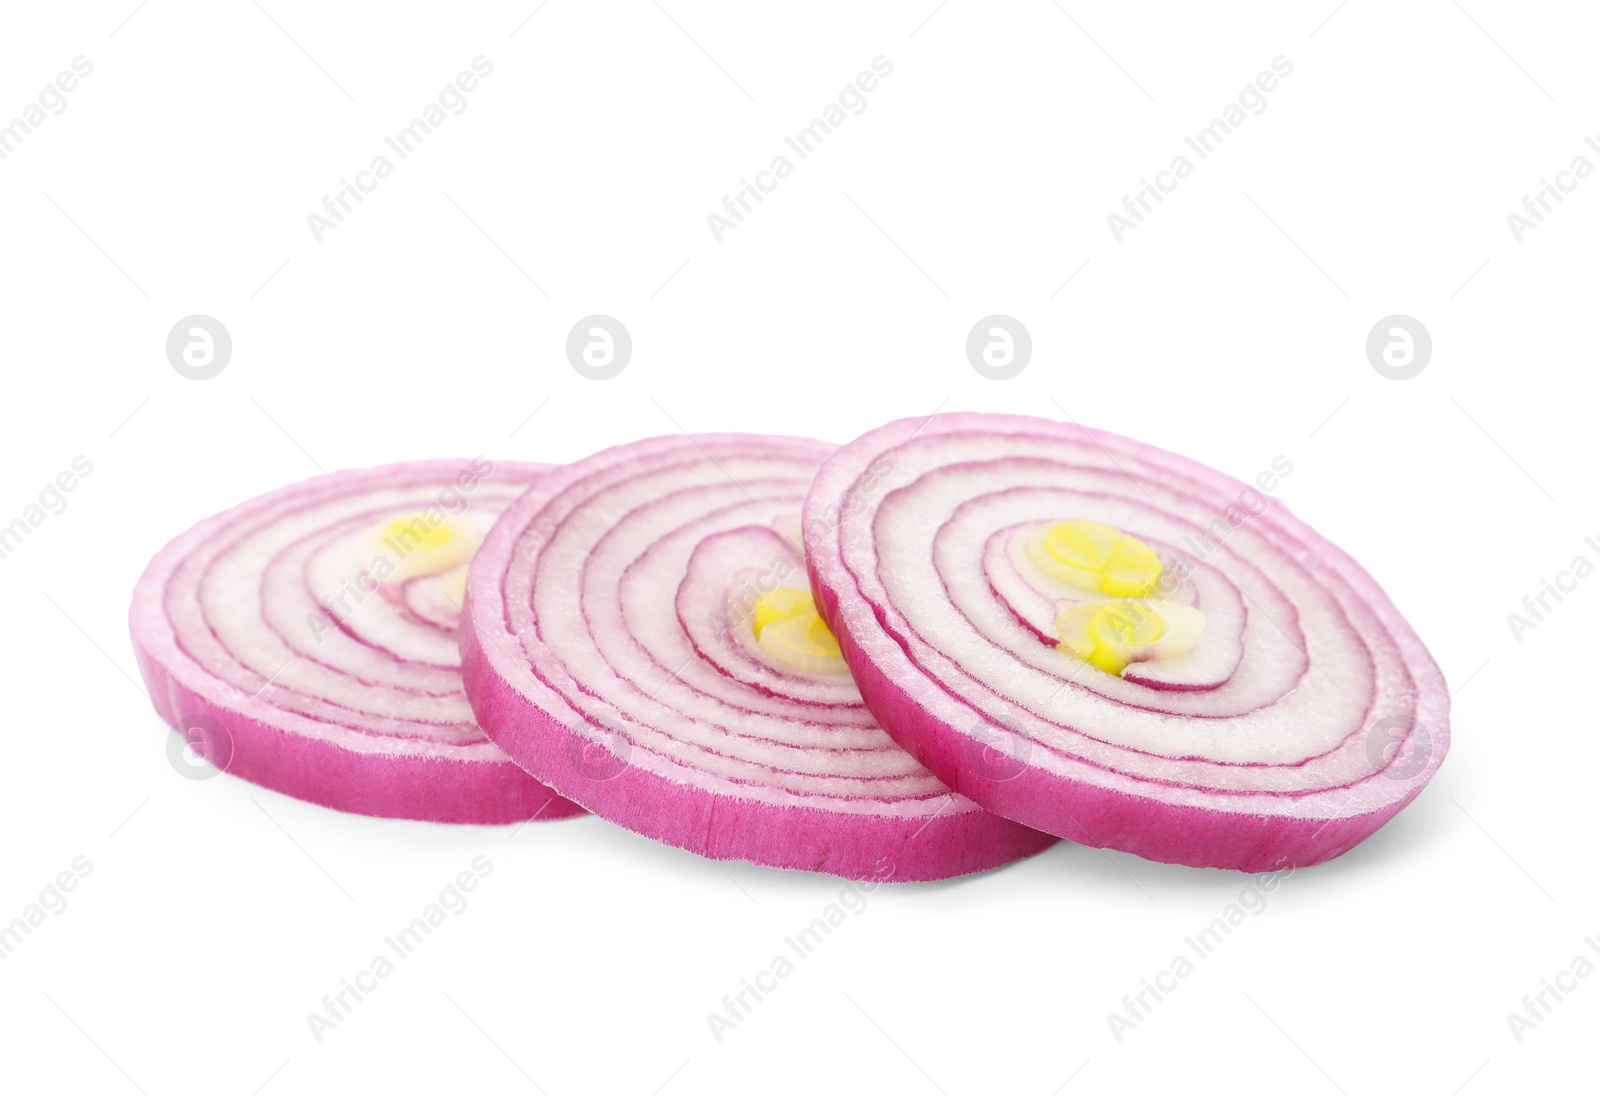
pixel 1177 666
pixel 642 637
pixel 306 641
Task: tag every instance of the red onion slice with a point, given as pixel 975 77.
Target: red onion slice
pixel 1308 714
pixel 606 652
pixel 309 654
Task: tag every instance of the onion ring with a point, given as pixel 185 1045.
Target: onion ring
pixel 612 649
pixel 1309 713
pixel 305 642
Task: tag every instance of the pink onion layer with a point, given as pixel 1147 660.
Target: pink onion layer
pixel 1314 715
pixel 264 634
pixel 602 653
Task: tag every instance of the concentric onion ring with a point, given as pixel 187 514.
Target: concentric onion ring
pixel 611 650
pixel 307 643
pixel 1295 729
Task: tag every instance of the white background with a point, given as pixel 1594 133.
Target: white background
pixel 1230 327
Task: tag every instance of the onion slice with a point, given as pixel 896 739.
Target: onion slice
pixel 1308 714
pixel 611 649
pixel 305 641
